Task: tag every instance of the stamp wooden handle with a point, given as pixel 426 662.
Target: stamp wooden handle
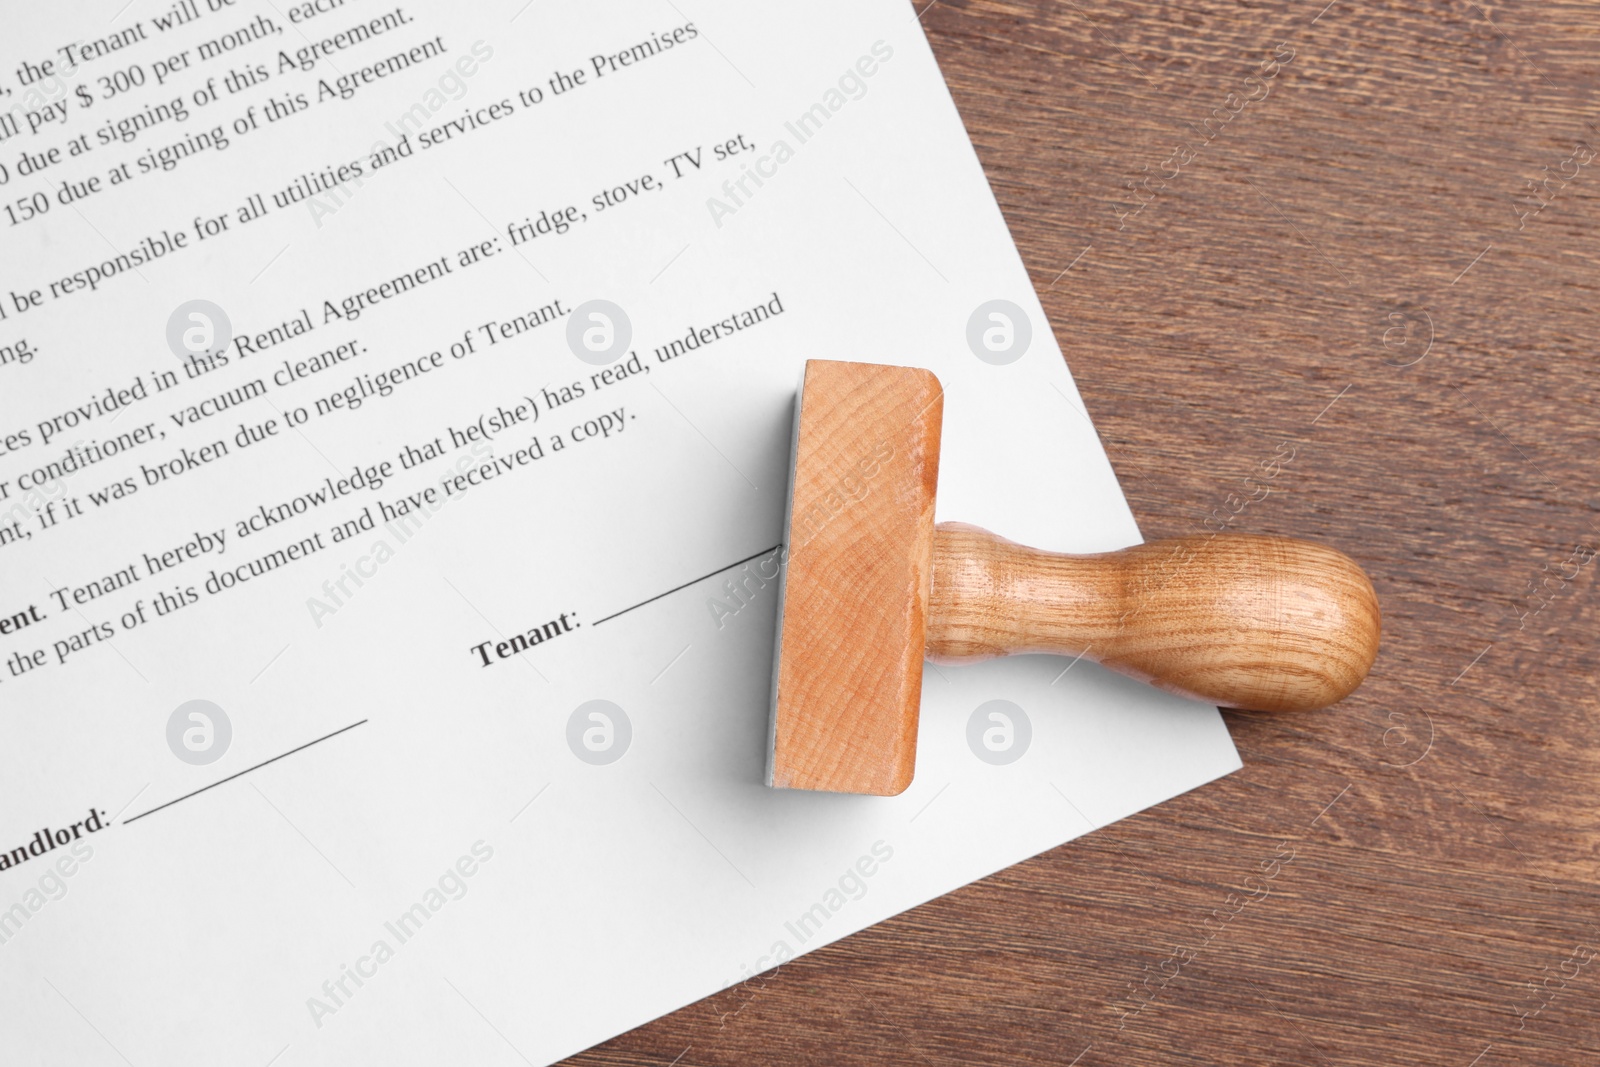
pixel 1269 623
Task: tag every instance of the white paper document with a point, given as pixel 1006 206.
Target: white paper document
pixel 395 405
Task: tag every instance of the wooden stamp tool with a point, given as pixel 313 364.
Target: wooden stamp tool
pixel 871 586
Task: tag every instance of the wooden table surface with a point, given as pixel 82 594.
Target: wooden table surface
pixel 1362 236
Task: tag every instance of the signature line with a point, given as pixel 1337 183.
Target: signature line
pixel 247 770
pixel 685 585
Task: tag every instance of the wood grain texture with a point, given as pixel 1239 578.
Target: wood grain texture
pixel 847 690
pixel 1240 620
pixel 1445 821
